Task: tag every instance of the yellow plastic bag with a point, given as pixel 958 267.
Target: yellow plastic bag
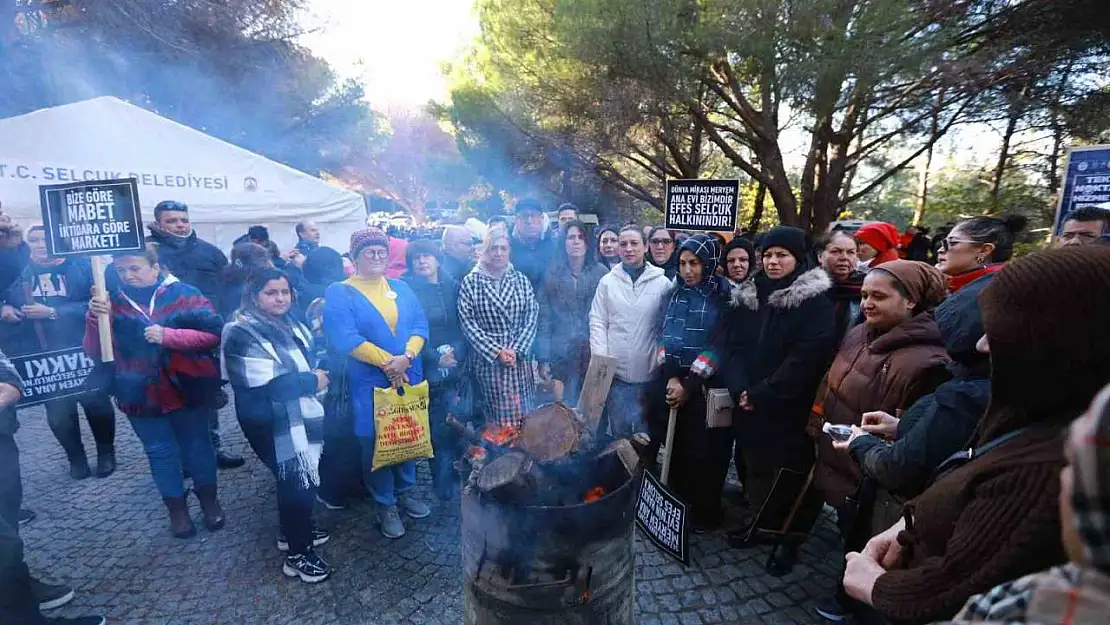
pixel 401 425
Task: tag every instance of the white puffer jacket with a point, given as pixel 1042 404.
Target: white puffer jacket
pixel 624 317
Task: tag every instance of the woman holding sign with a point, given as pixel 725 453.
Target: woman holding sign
pixel 163 333
pixel 688 365
pixel 44 311
pixel 381 327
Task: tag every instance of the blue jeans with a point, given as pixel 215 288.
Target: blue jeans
pixel 171 441
pixel 386 483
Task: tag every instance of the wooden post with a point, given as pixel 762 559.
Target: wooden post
pixel 595 389
pixel 666 473
pixel 104 322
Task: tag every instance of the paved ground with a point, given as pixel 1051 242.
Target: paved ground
pixel 109 539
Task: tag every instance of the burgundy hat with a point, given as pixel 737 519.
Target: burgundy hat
pixel 362 239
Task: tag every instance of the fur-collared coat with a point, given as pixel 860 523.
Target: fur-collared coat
pixel 777 344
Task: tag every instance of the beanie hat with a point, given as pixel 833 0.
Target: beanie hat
pixel 740 243
pixel 707 250
pixel 789 238
pixel 1090 497
pixel 1044 316
pixel 259 233
pixel 362 239
pixel 924 283
pixel 881 236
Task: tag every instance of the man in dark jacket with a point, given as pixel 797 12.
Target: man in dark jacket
pixel 196 262
pixel 21 596
pixel 532 251
pixel 458 251
pixel 308 237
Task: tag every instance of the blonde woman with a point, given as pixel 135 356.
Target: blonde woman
pixel 498 313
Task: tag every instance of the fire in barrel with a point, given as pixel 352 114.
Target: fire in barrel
pixel 547 522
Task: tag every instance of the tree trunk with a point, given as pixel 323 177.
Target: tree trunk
pixel 757 213
pixel 1015 113
pixel 922 202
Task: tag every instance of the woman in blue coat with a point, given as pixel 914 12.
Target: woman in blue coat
pixel 381 327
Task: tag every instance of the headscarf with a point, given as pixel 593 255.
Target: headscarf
pixel 1042 315
pixel 884 238
pixel 693 311
pixel 924 284
pixel 708 251
pixel 740 243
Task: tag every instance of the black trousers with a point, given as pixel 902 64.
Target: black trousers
pixel 62 417
pixel 340 468
pixel 294 498
pixel 445 443
pixel 17 605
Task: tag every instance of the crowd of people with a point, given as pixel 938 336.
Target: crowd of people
pixel 922 389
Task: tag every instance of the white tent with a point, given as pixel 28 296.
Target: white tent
pixel 227 188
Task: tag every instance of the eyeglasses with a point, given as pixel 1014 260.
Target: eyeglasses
pixel 949 242
pixel 378 254
pixel 662 241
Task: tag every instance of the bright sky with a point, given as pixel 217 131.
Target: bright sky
pixel 394 48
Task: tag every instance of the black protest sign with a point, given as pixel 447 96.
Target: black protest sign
pixel 53 375
pixel 662 516
pixel 90 218
pixel 707 205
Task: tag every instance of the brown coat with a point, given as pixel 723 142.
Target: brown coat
pixel 887 372
pixel 994 519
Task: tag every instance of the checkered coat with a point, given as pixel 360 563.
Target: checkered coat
pixel 1063 595
pixel 495 314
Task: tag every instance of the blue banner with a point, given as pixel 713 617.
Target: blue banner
pixel 1086 181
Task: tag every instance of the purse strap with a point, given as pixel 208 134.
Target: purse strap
pixel 963 457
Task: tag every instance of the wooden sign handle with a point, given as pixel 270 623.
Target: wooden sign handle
pixel 666 473
pixel 104 322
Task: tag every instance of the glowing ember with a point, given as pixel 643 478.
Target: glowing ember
pixel 501 436
pixel 595 493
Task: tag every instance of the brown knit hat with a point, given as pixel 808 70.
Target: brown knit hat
pixel 1045 317
pixel 362 239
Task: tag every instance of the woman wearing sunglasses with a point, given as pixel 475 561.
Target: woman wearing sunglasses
pixel 977 247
